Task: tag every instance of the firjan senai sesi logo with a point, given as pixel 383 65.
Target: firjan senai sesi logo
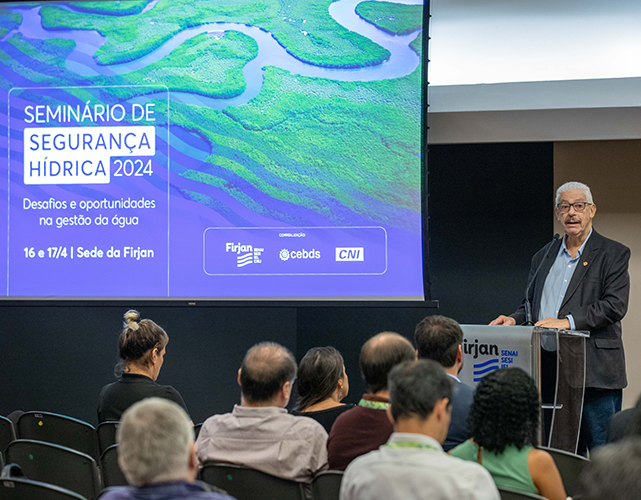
pixel 245 254
pixel 481 369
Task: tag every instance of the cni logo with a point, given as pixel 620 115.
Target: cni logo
pixel 350 254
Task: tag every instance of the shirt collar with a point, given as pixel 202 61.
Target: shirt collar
pixel 169 484
pixel 257 411
pixel 415 438
pixel 564 249
pixel 372 397
pixel 453 376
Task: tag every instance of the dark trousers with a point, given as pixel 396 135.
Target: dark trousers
pixel 599 405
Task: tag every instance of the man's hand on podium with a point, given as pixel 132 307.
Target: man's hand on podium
pixel 559 324
pixel 504 320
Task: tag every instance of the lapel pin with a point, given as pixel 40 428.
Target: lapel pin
pixel 585 263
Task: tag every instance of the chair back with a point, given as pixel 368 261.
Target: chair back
pixel 111 473
pixel 509 494
pixel 248 484
pixel 19 488
pixel 54 464
pixel 106 432
pixel 570 467
pixel 7 433
pixel 197 428
pixel 327 485
pixel 59 429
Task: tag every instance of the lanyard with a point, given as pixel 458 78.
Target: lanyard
pixel 411 444
pixel 373 405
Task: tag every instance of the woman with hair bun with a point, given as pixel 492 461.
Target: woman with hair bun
pixel 504 423
pixel 142 345
pixel 322 383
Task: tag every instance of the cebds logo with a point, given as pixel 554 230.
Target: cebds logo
pixel 286 254
pixel 350 254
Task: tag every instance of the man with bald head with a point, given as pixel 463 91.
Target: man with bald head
pixel 259 433
pixel 366 427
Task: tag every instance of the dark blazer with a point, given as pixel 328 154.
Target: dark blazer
pixel 597 299
pixel 462 397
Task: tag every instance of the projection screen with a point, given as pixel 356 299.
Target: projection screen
pixel 220 149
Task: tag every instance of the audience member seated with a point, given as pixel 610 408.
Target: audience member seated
pixel 413 465
pixel 322 384
pixel 142 346
pixel 366 427
pixel 504 421
pixel 157 454
pixel 614 472
pixel 259 433
pixel 439 338
pixel 625 423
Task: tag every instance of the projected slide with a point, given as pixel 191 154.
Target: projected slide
pixel 211 149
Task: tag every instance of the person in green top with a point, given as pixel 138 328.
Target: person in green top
pixel 504 423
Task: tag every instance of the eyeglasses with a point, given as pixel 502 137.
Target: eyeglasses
pixel 579 206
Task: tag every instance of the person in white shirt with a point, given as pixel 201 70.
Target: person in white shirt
pixel 413 464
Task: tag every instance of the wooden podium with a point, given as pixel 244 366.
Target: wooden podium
pixel 487 348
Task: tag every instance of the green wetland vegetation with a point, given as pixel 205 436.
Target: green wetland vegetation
pixel 10 21
pixel 303 140
pixel 396 19
pixel 305 29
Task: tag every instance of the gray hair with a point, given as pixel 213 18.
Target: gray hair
pixel 568 186
pixel 154 442
pixel 614 472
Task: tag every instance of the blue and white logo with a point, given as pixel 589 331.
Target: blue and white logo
pixel 481 369
pixel 244 259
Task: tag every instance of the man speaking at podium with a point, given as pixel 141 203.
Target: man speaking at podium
pixel 581 282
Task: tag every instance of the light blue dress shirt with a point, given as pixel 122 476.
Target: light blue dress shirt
pixel 556 285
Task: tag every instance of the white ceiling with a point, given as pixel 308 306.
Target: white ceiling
pixel 491 41
pixel 534 70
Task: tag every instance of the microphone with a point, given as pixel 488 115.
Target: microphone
pixel 528 304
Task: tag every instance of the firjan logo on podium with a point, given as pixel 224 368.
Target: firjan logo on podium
pixel 482 369
pixel 476 349
pixel 483 349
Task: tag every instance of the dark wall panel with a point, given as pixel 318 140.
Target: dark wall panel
pixel 490 210
pixel 58 358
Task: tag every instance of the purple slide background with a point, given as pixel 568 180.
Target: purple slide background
pixel 175 228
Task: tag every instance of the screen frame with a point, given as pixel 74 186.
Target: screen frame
pixel 402 302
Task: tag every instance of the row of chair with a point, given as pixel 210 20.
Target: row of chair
pixel 326 486
pixel 89 443
pixel 248 484
pixel 64 467
pixel 63 451
pixel 22 489
pixel 62 430
pixel 59 429
pixel 42 462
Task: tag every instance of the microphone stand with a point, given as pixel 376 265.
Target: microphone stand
pixel 528 304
